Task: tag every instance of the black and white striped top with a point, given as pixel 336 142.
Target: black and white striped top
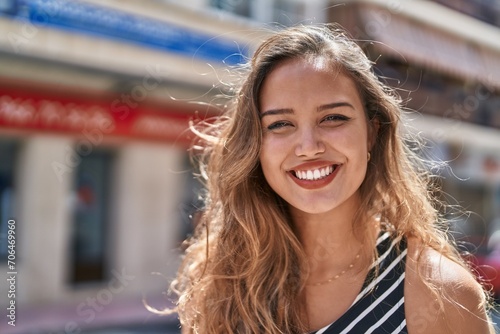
pixel 379 307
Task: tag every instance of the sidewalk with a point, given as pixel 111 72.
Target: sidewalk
pixel 73 318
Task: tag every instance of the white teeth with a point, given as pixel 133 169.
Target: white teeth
pixel 315 174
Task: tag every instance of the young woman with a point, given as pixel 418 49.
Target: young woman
pixel 318 218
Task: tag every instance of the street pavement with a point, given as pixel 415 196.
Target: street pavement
pixel 168 327
pixel 171 327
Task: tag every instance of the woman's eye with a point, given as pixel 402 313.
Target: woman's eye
pixel 336 118
pixel 278 125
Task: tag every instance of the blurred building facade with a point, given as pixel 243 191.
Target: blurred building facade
pixel 95 102
pixel 446 66
pixel 484 10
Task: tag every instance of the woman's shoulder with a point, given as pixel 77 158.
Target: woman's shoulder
pixel 441 295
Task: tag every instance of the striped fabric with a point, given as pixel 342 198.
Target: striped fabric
pixel 379 307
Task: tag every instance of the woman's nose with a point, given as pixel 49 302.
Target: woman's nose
pixel 309 143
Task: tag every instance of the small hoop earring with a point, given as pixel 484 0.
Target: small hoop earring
pixel 369 156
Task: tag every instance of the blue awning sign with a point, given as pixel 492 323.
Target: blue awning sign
pixel 101 21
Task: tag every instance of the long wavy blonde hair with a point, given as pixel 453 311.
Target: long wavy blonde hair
pixel 244 268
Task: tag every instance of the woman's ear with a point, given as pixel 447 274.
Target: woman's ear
pixel 373 127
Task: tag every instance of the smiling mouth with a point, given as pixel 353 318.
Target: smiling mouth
pixel 314 174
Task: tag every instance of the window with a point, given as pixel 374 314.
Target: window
pixel 8 154
pixel 289 13
pixel 238 7
pixel 91 217
pixel 282 12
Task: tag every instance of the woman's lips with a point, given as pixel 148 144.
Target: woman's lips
pixel 313 178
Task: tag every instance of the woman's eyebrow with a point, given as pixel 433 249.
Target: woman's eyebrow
pixel 276 112
pixel 283 111
pixel 334 105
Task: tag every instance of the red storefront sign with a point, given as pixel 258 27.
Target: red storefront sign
pixel 89 117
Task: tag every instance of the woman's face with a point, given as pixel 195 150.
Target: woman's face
pixel 315 135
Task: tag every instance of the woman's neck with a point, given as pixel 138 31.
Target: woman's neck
pixel 337 224
pixel 329 240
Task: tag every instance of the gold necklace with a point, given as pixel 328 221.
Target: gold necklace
pixel 333 278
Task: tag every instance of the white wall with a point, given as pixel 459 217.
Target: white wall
pixel 42 220
pixel 150 182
